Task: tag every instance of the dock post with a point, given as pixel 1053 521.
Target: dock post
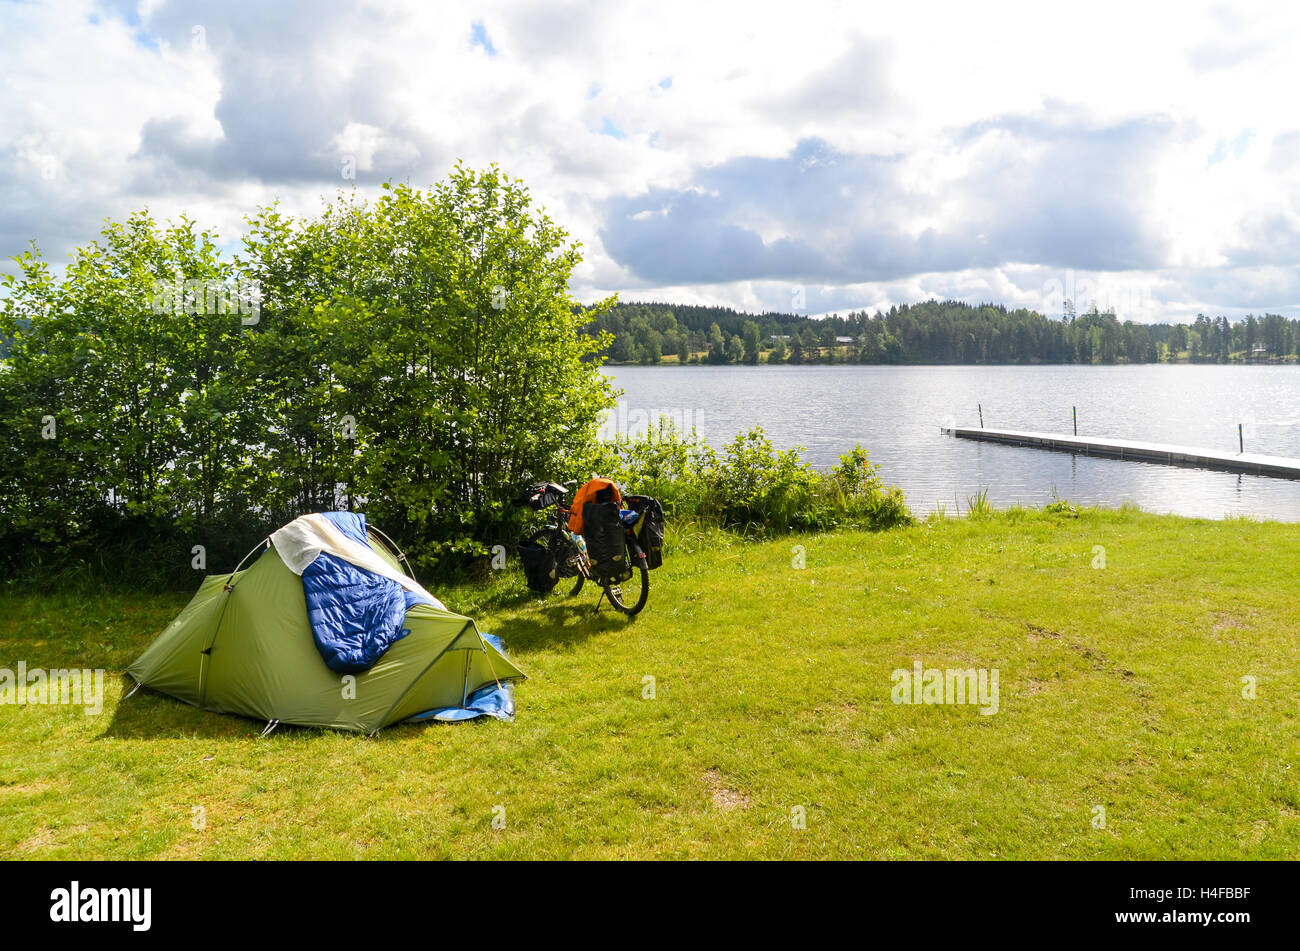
pixel 1241 442
pixel 1074 411
pixel 981 409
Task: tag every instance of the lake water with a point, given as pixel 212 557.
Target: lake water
pixel 896 414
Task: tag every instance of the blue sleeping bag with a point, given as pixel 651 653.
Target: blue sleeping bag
pixel 355 614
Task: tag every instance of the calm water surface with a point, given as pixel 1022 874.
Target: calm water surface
pixel 896 414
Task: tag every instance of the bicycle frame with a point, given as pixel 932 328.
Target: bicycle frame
pixel 557 526
pixel 561 526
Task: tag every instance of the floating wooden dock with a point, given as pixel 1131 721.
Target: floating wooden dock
pixel 1135 451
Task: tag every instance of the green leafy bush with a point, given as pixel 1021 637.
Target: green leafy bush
pixel 749 486
pixel 415 358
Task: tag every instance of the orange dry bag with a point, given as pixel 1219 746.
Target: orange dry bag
pixel 597 490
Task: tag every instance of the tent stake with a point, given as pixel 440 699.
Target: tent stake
pixel 270 726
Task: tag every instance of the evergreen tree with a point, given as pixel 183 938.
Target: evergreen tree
pixel 751 342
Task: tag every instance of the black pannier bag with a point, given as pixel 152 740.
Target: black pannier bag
pixel 539 566
pixel 649 528
pixel 602 530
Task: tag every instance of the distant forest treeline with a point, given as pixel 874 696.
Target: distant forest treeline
pixel 933 332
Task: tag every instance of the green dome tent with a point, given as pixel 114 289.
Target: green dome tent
pixel 244 645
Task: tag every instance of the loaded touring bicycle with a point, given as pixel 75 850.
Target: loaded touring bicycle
pixel 602 535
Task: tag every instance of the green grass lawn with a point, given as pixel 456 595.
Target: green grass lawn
pixel 1119 687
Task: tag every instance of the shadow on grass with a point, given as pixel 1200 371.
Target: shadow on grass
pixel 154 716
pixel 564 624
pixel 516 596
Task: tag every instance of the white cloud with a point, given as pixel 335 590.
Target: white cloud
pixel 981 146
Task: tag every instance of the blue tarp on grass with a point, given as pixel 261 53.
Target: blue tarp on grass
pixel 494 700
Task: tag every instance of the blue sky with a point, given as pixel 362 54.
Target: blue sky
pixel 837 155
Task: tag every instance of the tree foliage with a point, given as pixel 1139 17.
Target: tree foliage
pixel 750 485
pixel 947 332
pixel 417 357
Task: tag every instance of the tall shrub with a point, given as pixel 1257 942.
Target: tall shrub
pixel 121 400
pixel 439 349
pixel 416 357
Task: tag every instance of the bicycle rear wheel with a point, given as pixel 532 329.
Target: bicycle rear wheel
pixel 630 596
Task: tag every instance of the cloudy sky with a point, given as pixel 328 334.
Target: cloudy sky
pixel 809 156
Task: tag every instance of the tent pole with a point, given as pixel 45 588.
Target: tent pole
pixel 397 552
pixel 488 655
pixel 266 542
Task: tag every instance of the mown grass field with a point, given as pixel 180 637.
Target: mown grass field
pixel 1119 687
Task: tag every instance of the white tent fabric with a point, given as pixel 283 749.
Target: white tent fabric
pixel 302 540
